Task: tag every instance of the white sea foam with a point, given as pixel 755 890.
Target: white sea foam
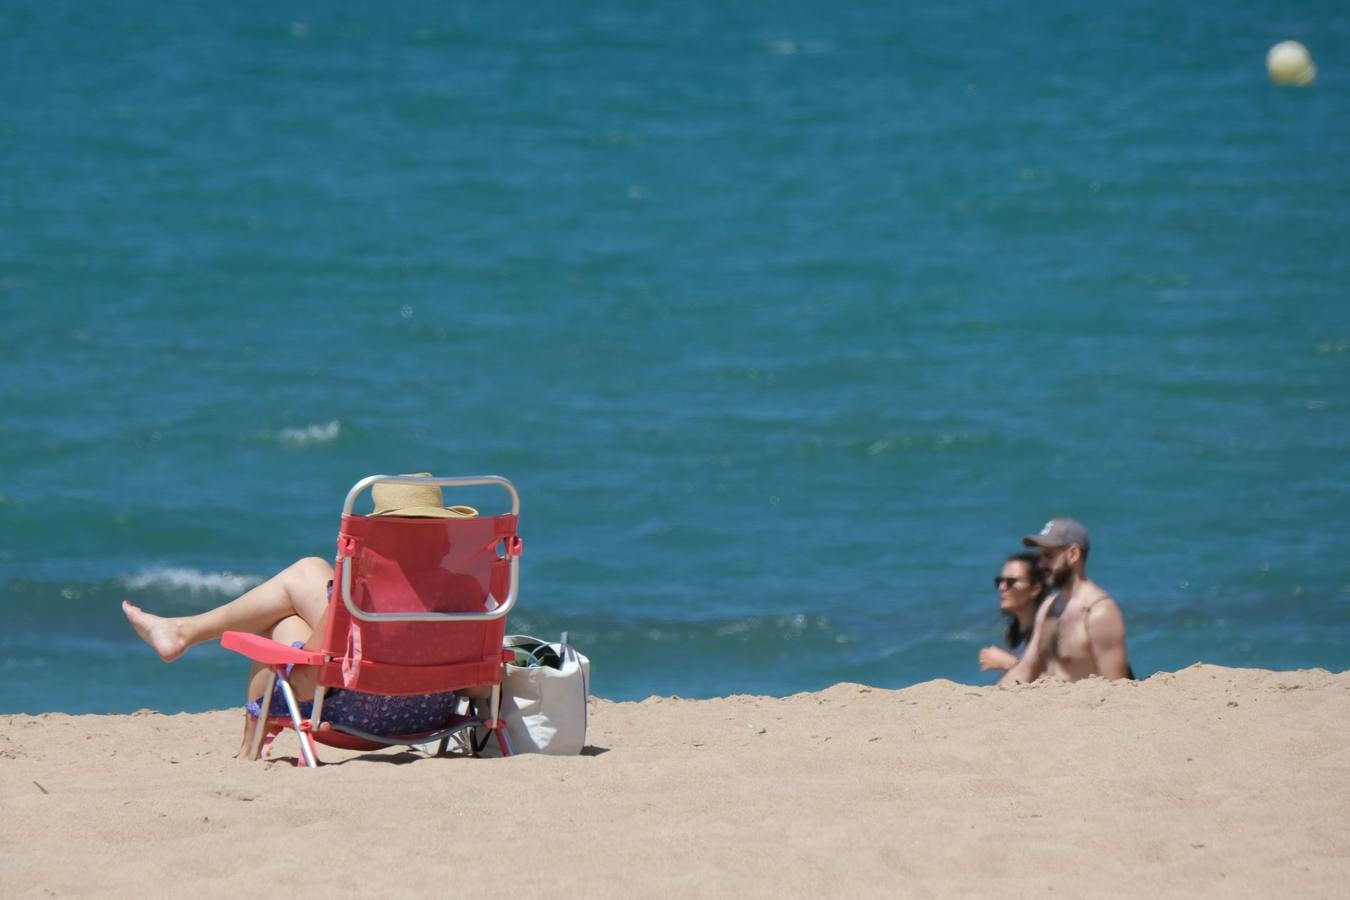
pixel 313 434
pixel 192 581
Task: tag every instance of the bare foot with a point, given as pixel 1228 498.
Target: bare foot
pixel 160 633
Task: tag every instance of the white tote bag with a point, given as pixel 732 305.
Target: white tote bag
pixel 544 700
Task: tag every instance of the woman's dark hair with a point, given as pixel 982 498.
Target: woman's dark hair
pixel 1013 633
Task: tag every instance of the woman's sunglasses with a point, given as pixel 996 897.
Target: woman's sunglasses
pixel 1000 582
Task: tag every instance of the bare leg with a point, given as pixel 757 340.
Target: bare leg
pixel 287 631
pixel 298 590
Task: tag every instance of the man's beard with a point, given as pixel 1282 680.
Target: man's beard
pixel 1060 575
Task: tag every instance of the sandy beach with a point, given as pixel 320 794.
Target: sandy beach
pixel 1187 784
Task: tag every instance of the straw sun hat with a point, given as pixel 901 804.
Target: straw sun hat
pixel 423 500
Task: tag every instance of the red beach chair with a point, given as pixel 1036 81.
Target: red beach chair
pixel 418 607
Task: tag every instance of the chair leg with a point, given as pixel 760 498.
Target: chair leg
pixel 316 711
pixel 502 743
pixel 306 743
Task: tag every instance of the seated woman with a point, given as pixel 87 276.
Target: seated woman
pixel 1021 591
pixel 291 607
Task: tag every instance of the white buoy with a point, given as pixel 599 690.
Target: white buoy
pixel 1289 63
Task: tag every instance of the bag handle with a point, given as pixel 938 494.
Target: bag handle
pixel 535 649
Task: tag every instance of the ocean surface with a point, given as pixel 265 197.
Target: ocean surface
pixel 787 320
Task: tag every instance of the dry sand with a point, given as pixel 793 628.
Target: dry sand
pixel 1209 781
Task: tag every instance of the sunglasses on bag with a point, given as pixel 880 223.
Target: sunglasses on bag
pixel 1000 582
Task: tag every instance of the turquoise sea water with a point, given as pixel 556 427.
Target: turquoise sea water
pixel 786 319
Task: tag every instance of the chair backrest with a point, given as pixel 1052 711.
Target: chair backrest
pixel 419 605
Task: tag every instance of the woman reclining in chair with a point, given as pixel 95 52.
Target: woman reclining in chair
pixel 291 607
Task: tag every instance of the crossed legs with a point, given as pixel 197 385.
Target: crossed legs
pixel 298 590
pixel 290 606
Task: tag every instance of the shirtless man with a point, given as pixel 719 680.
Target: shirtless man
pixel 1081 631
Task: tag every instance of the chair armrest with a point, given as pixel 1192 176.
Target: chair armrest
pixel 268 651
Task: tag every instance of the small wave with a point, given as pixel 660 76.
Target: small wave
pixel 314 434
pixel 944 441
pixel 791 47
pixel 192 580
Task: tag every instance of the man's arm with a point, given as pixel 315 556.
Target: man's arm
pixel 1031 666
pixel 1106 639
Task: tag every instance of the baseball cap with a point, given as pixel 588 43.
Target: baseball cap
pixel 1059 533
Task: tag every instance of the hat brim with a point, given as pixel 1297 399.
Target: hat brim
pixel 1036 540
pixel 430 512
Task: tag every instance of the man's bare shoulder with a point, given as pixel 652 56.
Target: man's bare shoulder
pixel 1087 595
pixel 1103 614
pixel 1095 598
